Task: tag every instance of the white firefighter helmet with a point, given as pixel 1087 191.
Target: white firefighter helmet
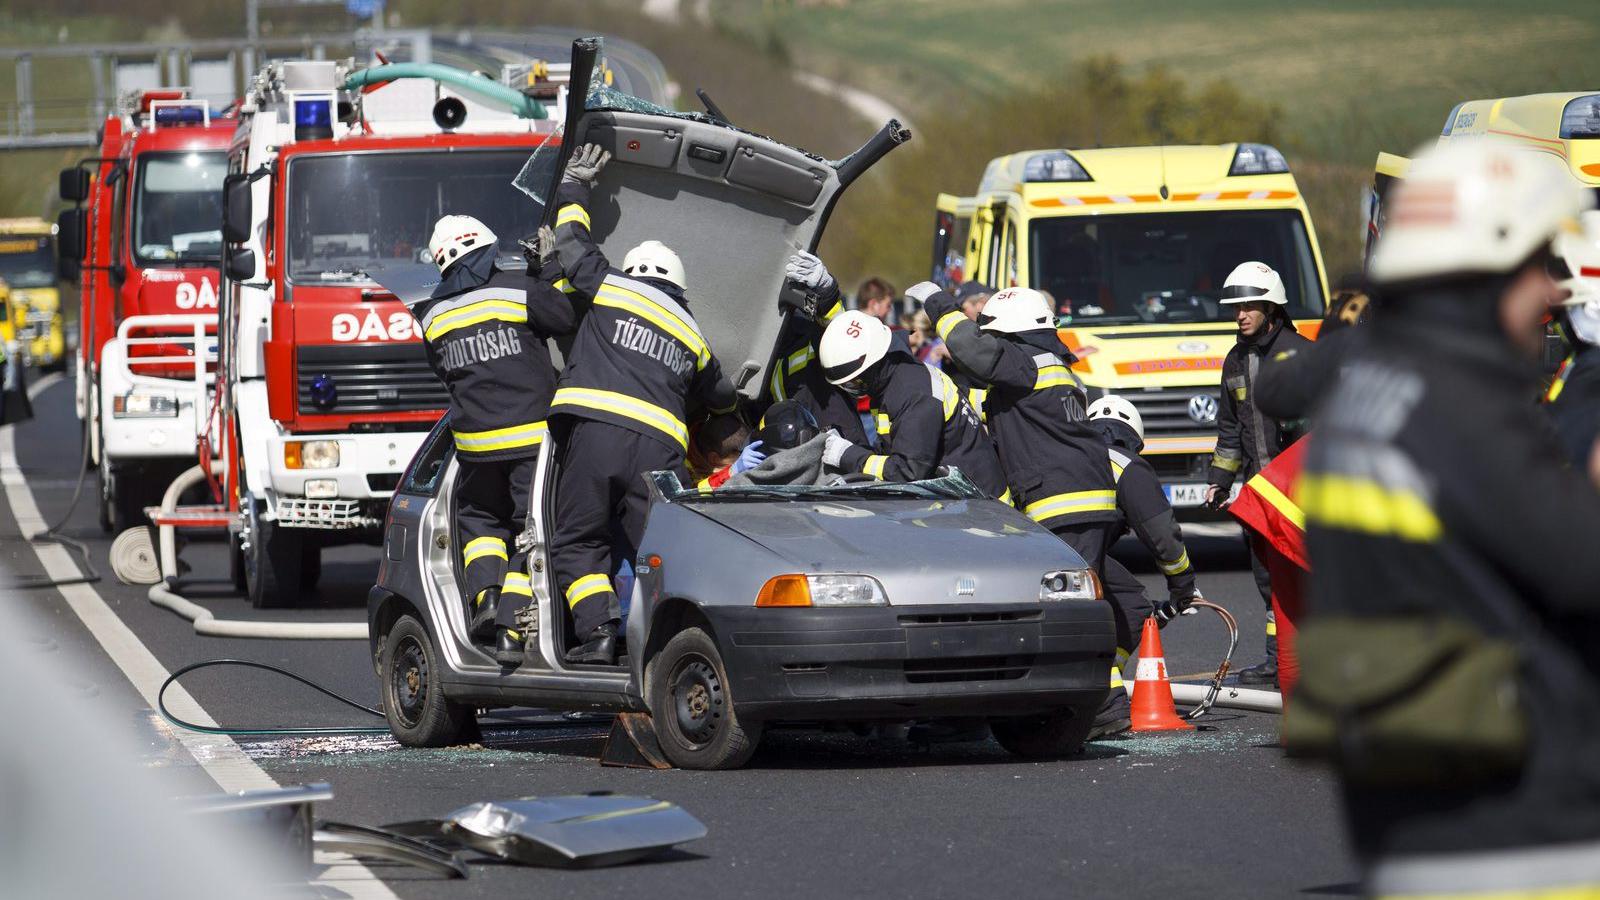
pixel 1580 253
pixel 455 237
pixel 1254 281
pixel 1474 207
pixel 653 259
pixel 1113 407
pixel 850 346
pixel 1015 310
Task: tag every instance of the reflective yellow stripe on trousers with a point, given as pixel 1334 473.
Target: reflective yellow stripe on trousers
pixel 1071 503
pixel 482 547
pixel 517 584
pixel 587 586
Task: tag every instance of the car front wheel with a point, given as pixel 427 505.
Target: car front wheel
pixel 1047 735
pixel 693 708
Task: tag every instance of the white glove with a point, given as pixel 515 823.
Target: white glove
pixel 833 450
pixel 807 270
pixel 921 291
pixel 585 164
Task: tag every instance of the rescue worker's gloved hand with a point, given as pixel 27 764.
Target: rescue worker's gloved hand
pixel 1168 610
pixel 540 249
pixel 922 290
pixel 935 301
pixel 751 457
pixel 808 271
pixel 585 165
pixel 834 448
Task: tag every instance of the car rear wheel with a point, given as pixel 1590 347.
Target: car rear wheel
pixel 1049 735
pixel 692 707
pixel 414 703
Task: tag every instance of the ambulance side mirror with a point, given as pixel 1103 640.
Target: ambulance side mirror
pixel 241 264
pixel 236 208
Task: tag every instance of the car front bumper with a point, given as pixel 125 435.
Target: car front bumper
pixel 902 662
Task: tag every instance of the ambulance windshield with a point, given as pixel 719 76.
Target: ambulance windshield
pixel 27 261
pixel 177 209
pixel 1162 268
pixel 348 212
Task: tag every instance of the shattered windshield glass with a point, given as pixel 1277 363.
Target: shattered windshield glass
pixel 177 210
pixel 1167 267
pixel 348 212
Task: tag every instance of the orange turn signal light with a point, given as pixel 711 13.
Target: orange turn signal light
pixel 291 455
pixel 785 590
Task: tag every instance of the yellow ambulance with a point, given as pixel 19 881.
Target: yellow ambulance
pixel 1133 245
pixel 28 265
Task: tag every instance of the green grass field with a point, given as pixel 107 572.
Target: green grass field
pixel 1347 75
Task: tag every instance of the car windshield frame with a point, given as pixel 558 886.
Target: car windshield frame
pixel 518 216
pixel 37 268
pixel 1188 303
pixel 952 485
pixel 217 161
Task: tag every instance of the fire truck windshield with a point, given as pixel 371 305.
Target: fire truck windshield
pixel 26 261
pixel 1165 268
pixel 348 212
pixel 177 209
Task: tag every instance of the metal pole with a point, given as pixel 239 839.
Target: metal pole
pixel 25 95
pixel 172 69
pixel 97 68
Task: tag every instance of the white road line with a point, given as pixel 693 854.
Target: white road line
pixel 219 755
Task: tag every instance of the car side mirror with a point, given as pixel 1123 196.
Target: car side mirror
pixel 241 264
pixel 236 208
pixel 71 242
pixel 73 184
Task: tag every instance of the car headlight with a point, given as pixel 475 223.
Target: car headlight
pixel 135 405
pixel 1069 584
pixel 311 454
pixel 822 590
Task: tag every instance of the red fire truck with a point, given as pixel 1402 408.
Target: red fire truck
pixel 324 391
pixel 144 244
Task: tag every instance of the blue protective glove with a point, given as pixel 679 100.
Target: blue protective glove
pixel 749 459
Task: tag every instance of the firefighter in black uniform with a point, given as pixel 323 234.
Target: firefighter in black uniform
pixel 812 296
pixel 1574 396
pixel 485 332
pixel 1246 439
pixel 1442 519
pixel 921 418
pixel 1143 508
pixel 621 408
pixel 1055 464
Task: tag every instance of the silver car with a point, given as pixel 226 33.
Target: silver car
pixel 751 606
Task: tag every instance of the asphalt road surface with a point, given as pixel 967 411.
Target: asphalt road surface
pixel 1219 812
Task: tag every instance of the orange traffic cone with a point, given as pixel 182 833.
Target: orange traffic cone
pixel 1153 709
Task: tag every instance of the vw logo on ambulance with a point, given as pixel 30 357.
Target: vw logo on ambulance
pixel 1203 409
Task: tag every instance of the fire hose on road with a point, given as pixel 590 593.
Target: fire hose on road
pixel 1215 694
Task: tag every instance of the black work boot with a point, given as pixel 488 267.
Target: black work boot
pixel 481 627
pixel 1265 672
pixel 508 647
pixel 1114 716
pixel 599 650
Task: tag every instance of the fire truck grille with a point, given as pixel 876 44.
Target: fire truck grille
pixel 371 378
pixel 1167 411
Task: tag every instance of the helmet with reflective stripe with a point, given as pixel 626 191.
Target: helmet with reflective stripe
pixel 1119 409
pixel 1016 310
pixel 653 259
pixel 1482 206
pixel 456 236
pixel 853 342
pixel 1254 281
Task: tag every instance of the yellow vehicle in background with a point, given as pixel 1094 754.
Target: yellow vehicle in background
pixel 1133 244
pixel 28 265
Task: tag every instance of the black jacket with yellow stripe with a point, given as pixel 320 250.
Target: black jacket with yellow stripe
pixel 486 341
pixel 797 375
pixel 1144 509
pixel 1054 462
pixel 1248 439
pixel 923 422
pixel 1433 489
pixel 638 356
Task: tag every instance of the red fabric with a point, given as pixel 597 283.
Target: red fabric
pixel 1260 516
pixel 716 479
pixel 1288 606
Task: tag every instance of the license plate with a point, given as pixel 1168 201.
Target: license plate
pixel 1180 495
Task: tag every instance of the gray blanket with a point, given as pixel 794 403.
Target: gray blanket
pixel 797 465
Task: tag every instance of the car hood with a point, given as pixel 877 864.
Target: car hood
pixel 733 205
pixel 922 551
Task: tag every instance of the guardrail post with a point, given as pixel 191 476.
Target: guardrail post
pixel 25 95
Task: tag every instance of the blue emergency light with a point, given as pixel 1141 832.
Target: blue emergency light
pixel 313 118
pixel 180 115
